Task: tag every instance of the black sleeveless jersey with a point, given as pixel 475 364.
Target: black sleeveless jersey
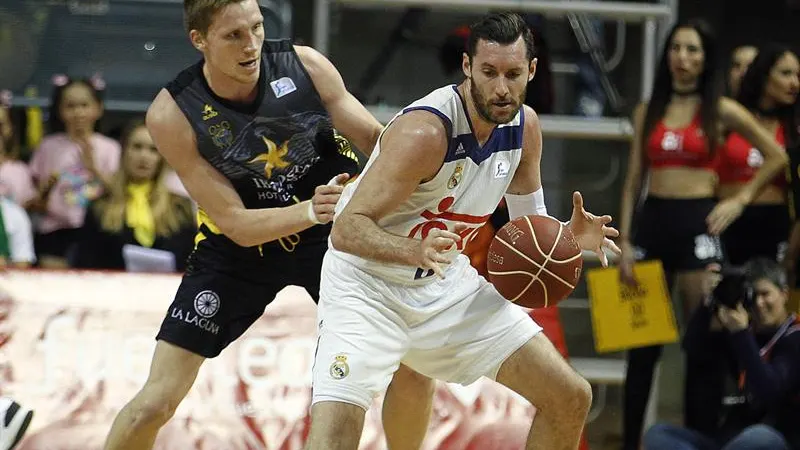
pixel 278 149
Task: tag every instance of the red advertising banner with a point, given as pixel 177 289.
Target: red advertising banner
pixel 76 346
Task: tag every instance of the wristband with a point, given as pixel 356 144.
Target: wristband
pixel 312 216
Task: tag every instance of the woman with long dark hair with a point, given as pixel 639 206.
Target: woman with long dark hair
pixel 769 90
pixel 674 147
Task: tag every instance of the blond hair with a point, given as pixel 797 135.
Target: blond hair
pixel 198 14
pixel 170 212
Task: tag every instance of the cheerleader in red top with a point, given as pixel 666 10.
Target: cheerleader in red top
pixel 769 90
pixel 674 146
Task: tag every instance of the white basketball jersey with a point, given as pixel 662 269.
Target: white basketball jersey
pixel 467 188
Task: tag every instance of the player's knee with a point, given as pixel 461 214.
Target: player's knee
pixel 153 406
pixel 576 396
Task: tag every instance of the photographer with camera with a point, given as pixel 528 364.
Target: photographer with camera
pixel 744 336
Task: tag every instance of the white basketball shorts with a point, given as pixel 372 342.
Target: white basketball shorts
pixel 455 330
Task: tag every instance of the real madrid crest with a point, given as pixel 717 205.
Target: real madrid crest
pixel 455 178
pixel 339 369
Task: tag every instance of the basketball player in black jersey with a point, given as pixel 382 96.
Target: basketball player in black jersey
pixel 250 132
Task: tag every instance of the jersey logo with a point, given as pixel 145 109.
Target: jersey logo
pixel 460 150
pixel 501 169
pixel 273 158
pixel 221 134
pixel 455 178
pixel 438 219
pixel 282 86
pixel 208 112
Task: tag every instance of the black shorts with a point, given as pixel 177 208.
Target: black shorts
pixel 675 232
pixel 226 288
pixel 761 230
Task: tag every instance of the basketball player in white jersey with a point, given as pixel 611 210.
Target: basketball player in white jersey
pixel 395 288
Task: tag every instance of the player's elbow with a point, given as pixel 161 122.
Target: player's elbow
pixel 339 232
pixel 233 228
pixel 337 238
pixel 240 236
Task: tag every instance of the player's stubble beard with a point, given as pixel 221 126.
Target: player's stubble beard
pixel 483 106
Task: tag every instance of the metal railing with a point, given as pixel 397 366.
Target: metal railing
pixel 648 14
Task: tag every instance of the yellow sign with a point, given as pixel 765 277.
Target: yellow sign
pixel 625 317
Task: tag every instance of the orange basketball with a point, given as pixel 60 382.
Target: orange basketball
pixel 534 261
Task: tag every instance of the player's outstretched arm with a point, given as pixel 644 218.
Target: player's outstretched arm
pixel 349 116
pixel 412 151
pixel 525 196
pixel 175 139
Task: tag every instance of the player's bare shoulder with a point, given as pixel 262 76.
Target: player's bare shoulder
pixel 532 134
pixel 421 124
pixel 321 71
pixel 532 122
pixel 417 139
pixel 420 131
pixel 308 56
pixel 165 116
pixel 169 127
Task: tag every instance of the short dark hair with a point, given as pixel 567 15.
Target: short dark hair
pixel 502 28
pixel 766 269
pixel 197 14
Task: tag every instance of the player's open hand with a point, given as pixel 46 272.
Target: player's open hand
pixel 592 232
pixel 435 251
pixel 325 197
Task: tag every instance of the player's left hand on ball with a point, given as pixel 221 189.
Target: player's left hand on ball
pixel 435 248
pixel 592 232
pixel 326 196
pixel 723 215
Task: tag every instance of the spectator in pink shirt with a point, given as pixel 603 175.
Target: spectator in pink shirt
pixel 71 166
pixel 16 183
